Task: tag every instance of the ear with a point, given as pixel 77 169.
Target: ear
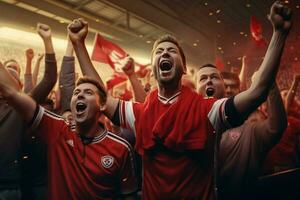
pixel 184 69
pixel 103 106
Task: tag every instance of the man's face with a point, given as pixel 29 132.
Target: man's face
pixel 209 83
pixel 231 87
pixel 167 64
pixel 85 103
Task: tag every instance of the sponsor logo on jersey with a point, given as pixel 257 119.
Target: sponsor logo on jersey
pixel 107 161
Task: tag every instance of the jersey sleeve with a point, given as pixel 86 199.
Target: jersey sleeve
pixel 128 176
pixel 128 112
pixel 46 125
pixel 217 116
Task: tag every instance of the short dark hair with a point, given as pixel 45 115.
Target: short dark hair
pixel 172 39
pixel 208 65
pixel 230 75
pixel 101 89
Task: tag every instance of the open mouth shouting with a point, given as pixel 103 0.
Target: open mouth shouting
pixel 210 91
pixel 80 107
pixel 165 67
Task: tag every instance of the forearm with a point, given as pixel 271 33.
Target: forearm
pixel 138 89
pixel 69 50
pixel 247 101
pixel 277 119
pixel 36 72
pixel 28 84
pixel 20 101
pixel 23 104
pixel 242 77
pixel 85 62
pixel 28 66
pixel 67 81
pixel 48 45
pixel 42 90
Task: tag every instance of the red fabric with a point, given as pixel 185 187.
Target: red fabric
pixel 114 80
pixel 105 51
pixel 283 154
pixel 141 70
pixel 219 64
pixel 256 32
pixel 178 171
pixel 126 95
pixel 76 171
pixel 110 53
pixel 179 126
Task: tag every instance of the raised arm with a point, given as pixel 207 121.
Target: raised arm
pixel 242 75
pixel 18 100
pixel 28 84
pixel 78 30
pixel 138 89
pixel 42 90
pixel 247 101
pixel 36 69
pixel 67 78
pixel 291 93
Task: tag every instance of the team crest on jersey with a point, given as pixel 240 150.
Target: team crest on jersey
pixel 107 161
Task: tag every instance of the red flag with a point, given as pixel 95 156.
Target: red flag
pixel 104 50
pixel 110 53
pixel 256 32
pixel 126 95
pixel 219 64
pixel 114 80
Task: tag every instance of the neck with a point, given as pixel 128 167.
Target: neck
pixel 89 129
pixel 168 91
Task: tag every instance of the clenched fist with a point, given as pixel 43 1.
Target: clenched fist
pixel 78 30
pixel 128 66
pixel 44 31
pixel 29 54
pixel 280 17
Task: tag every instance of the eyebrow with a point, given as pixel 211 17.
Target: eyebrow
pixel 85 90
pixel 169 48
pixel 210 74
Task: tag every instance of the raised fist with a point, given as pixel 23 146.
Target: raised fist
pixel 78 30
pixel 44 31
pixel 280 17
pixel 128 66
pixel 29 54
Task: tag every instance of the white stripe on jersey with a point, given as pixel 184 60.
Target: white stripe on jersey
pixel 217 116
pixel 129 118
pixel 120 140
pixel 38 118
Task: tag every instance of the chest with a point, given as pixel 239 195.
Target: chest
pixel 91 161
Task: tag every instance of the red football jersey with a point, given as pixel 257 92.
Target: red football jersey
pixel 168 174
pixel 101 169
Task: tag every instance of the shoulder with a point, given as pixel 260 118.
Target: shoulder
pixel 118 142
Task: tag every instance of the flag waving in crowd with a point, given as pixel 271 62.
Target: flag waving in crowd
pixel 256 32
pixel 110 53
